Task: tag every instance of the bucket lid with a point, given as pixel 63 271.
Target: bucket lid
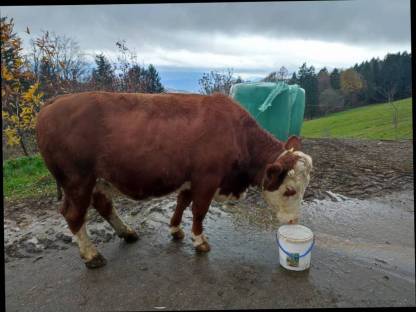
pixel 295 233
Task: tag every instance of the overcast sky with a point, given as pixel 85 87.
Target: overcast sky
pixel 253 38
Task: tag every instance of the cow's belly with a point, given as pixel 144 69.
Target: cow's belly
pixel 140 184
pixel 224 197
pixel 140 193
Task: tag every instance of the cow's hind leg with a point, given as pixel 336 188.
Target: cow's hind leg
pixel 74 209
pixel 183 201
pixel 102 202
pixel 202 195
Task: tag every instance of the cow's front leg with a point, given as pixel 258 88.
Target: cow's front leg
pixel 184 199
pixel 199 210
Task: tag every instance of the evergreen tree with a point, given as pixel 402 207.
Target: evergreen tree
pixel 239 80
pixel 334 78
pixel 294 79
pixel 323 80
pixel 390 77
pixel 103 76
pixel 152 80
pixel 307 79
pixel 405 77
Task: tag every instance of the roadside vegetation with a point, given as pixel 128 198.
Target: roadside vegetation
pixel 25 177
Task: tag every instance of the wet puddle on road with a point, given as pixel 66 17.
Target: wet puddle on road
pixel 351 224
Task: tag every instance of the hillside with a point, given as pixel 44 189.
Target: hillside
pixel 367 122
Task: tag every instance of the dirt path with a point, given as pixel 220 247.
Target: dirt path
pixel 358 205
pixel 359 168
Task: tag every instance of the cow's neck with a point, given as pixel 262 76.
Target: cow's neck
pixel 264 149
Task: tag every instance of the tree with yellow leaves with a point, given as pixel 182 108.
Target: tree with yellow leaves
pixel 20 94
pixel 351 84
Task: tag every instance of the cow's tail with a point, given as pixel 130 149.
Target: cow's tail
pixel 58 191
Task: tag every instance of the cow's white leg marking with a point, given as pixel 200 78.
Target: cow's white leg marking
pixel 121 228
pixel 86 247
pixel 183 187
pixel 175 229
pixel 221 197
pixel 177 232
pixel 199 239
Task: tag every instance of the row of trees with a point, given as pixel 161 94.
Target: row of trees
pixel 370 82
pixel 131 76
pixel 56 65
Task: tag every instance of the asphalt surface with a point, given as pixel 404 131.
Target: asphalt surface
pixel 364 256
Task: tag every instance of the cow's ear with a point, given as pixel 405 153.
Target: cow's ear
pixel 293 142
pixel 273 177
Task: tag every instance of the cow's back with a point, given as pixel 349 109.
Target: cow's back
pixel 148 142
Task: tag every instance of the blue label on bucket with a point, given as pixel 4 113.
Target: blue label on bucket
pixel 293 260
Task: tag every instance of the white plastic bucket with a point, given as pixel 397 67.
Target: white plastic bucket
pixel 295 243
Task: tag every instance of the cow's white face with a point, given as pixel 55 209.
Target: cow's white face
pixel 286 200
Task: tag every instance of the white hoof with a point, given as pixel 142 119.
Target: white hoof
pixel 177 232
pixel 200 243
pixel 199 239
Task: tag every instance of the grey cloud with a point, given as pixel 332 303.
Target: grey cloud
pixel 361 22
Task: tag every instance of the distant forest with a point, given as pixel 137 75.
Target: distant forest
pixel 374 81
pixel 367 83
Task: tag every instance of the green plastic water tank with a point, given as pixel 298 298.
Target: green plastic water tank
pixel 277 106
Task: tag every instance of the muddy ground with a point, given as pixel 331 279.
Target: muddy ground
pixel 359 204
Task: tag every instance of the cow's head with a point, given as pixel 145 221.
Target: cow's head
pixel 285 181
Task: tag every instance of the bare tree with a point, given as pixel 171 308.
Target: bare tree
pixel 216 82
pixel 127 61
pixel 57 63
pixel 388 92
pixel 272 77
pixel 330 101
pixel 282 74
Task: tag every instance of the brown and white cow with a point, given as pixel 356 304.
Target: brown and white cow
pixel 146 145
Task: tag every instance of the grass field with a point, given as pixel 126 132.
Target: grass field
pixel 367 122
pixel 26 177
